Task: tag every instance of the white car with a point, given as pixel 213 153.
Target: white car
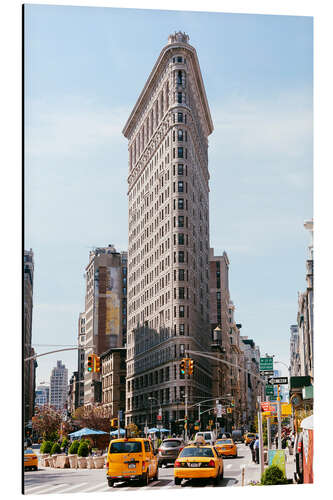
pixel 208 436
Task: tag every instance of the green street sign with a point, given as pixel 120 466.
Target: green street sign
pixel 266 364
pixel 269 390
pixel 273 398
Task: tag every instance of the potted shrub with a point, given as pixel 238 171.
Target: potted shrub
pixel 82 452
pixel 45 451
pixel 273 475
pixel 54 452
pixel 72 454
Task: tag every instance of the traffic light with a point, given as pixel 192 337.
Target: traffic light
pixel 183 366
pixel 233 402
pixel 114 422
pixel 229 410
pixel 190 366
pixel 97 363
pixel 90 363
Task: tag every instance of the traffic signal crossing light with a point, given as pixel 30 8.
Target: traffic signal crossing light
pixel 183 366
pixel 90 363
pixel 190 366
pixel 97 364
pixel 229 410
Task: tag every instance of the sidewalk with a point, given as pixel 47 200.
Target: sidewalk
pixel 253 471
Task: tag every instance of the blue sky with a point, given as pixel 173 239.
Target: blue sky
pixel 85 68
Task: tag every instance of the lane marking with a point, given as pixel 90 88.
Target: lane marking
pixel 228 466
pixel 47 489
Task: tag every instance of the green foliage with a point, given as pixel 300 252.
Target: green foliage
pixel 55 449
pixel 83 450
pixel 74 447
pixel 273 475
pixel 46 447
pixel 64 443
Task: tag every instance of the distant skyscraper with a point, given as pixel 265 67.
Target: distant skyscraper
pixel 168 196
pixel 29 366
pixel 42 395
pixel 105 316
pixel 59 386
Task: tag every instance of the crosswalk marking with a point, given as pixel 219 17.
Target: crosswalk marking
pixel 97 487
pixel 73 487
pixel 228 466
pixel 43 488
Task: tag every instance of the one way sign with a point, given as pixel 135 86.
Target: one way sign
pixel 277 380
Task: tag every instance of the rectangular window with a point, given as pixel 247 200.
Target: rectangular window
pixel 180 221
pixel 181 329
pixel 181 256
pixel 179 97
pixel 180 169
pixel 181 311
pixel 180 239
pixel 179 59
pixel 181 274
pixel 180 117
pixel 180 186
pixel 181 293
pixel 180 152
pixel 181 203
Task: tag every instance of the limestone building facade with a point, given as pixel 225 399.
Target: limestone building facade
pixel 105 315
pixel 168 200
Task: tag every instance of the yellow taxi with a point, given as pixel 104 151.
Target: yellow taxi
pixel 226 447
pixel 248 438
pixel 30 459
pixel 131 458
pixel 199 461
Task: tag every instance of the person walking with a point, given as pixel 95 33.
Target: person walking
pixel 256 448
pixel 253 450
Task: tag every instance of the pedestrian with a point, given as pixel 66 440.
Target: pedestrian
pixel 276 441
pixel 256 447
pixel 253 450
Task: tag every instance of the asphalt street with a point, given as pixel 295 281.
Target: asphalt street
pixel 47 480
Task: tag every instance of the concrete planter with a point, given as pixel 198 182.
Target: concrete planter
pixel 46 461
pixel 99 462
pixel 62 462
pixel 90 463
pixel 52 460
pixel 82 462
pixel 72 461
pixel 105 459
pixel 42 458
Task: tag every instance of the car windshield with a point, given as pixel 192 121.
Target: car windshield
pixel 172 443
pixel 207 435
pixel 126 447
pixel 197 452
pixel 28 451
pixel 224 441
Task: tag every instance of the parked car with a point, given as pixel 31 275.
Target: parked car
pixel 208 436
pixel 169 450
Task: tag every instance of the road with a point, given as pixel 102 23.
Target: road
pixel 48 480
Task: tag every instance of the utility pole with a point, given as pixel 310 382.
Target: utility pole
pixel 261 441
pixel 186 416
pixel 269 439
pixel 199 416
pixel 279 417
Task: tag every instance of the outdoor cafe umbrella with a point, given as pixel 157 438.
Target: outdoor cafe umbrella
pixel 164 430
pixel 152 430
pixel 85 432
pixel 115 433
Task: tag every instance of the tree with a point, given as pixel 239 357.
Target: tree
pixel 47 422
pixel 94 417
pixel 133 430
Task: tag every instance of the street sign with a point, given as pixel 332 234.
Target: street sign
pixel 278 380
pixel 269 390
pixel 267 373
pixel 272 398
pixel 266 364
pixel 219 410
pixel 265 406
pixel 159 417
